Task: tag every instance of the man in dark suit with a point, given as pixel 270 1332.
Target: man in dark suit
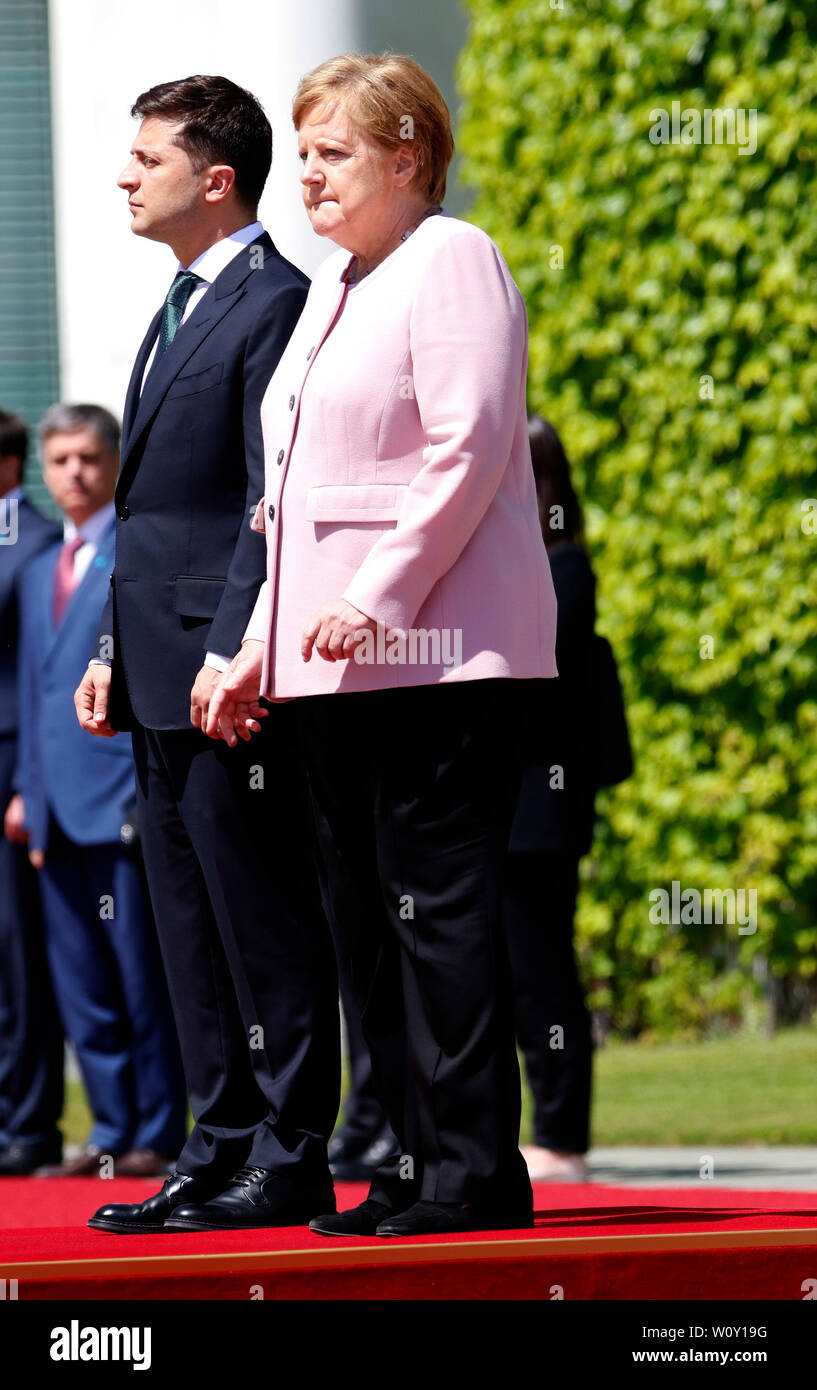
pixel 226 831
pixel 31 1044
pixel 100 938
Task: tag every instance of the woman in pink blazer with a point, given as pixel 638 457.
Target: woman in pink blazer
pixel 408 609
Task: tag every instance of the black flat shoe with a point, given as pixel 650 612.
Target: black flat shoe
pixel 356 1221
pixel 20 1160
pixel 254 1197
pixel 150 1215
pixel 447 1218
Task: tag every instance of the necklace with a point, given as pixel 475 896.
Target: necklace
pixel 404 236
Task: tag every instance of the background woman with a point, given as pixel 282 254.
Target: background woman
pixel 552 830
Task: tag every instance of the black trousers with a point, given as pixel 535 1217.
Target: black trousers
pixel 363 1117
pixel 552 1021
pixel 414 790
pixel 31 1040
pixel 229 854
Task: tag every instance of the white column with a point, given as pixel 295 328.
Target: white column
pixel 104 54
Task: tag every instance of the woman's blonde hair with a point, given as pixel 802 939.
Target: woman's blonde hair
pixel 395 101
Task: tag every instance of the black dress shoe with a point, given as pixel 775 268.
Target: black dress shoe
pixel 357 1221
pixel 19 1160
pixel 151 1215
pixel 254 1197
pixel 344 1147
pixel 358 1165
pixel 447 1218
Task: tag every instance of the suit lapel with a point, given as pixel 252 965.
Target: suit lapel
pixel 46 604
pixel 225 291
pixel 135 383
pixel 162 375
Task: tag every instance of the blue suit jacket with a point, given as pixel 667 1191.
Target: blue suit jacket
pixel 33 533
pixel 188 567
pixel 83 781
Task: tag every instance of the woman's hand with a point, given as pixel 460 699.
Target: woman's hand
pixel 333 631
pixel 234 708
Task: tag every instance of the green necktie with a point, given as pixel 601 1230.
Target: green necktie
pixel 173 312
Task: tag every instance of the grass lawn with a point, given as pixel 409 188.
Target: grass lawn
pixel 741 1089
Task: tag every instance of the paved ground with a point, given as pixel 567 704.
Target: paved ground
pixel 788 1168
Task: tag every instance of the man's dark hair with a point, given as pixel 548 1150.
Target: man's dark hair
pixel 220 123
pixel 13 438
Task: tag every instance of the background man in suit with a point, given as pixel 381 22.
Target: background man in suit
pixel 31 1045
pixel 226 831
pixel 100 938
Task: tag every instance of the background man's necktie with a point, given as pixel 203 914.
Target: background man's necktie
pixel 173 312
pixel 65 580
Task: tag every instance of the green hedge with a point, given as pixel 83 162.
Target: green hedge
pixel 681 262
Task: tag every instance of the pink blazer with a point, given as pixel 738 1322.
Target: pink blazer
pixel 398 474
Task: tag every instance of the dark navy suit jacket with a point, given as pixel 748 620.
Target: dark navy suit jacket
pixel 33 532
pixel 83 781
pixel 188 567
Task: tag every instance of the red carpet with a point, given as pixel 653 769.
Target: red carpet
pixel 590 1241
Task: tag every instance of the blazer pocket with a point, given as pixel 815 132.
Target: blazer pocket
pixel 197 381
pixel 355 502
pixel 196 596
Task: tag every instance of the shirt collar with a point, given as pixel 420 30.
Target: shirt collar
pixel 209 265
pixel 92 529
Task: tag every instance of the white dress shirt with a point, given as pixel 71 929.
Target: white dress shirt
pixel 91 532
pixel 208 266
